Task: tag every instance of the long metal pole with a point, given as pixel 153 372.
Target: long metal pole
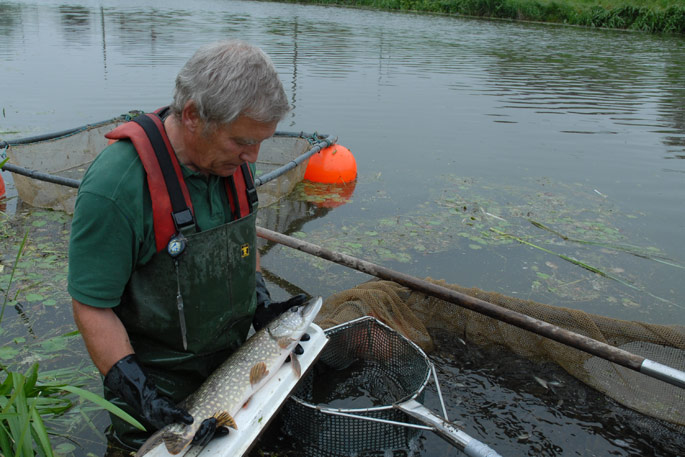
pixel 295 162
pixel 553 332
pixel 42 176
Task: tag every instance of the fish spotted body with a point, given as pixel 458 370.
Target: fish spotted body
pixel 231 385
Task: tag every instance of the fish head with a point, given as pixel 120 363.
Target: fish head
pixel 295 321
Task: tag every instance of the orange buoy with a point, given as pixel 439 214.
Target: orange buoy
pixel 334 164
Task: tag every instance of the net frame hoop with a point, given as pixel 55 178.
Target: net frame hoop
pixel 356 413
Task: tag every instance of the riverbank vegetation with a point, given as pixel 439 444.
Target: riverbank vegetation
pixel 655 16
pixel 45 386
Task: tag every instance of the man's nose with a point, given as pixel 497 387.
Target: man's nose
pixel 250 153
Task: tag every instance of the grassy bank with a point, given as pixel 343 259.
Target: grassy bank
pixel 656 16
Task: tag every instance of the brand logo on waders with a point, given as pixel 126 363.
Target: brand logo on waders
pixel 245 250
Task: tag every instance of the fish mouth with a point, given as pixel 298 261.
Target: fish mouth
pixel 311 308
pixel 294 322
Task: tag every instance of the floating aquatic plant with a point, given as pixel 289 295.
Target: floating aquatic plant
pixel 586 267
pixel 466 217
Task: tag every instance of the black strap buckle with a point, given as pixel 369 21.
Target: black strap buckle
pixel 250 188
pixel 183 220
pixel 252 197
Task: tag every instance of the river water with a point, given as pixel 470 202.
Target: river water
pixel 462 130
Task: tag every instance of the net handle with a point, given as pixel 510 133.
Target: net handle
pixel 448 431
pixel 437 387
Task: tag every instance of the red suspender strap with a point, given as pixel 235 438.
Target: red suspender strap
pixel 240 186
pixel 162 208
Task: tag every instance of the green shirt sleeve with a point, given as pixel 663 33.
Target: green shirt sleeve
pixel 101 253
pixel 110 235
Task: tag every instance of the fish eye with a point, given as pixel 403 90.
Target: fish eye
pixel 294 309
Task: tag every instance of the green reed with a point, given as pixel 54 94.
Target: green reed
pixel 28 399
pixel 655 16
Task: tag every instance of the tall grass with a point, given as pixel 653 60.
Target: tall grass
pixel 27 399
pixel 655 16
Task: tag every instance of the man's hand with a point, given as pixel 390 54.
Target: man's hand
pixel 128 381
pixel 268 310
pixel 208 430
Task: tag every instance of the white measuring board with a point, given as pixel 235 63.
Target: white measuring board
pixel 262 407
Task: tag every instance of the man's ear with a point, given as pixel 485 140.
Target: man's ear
pixel 190 118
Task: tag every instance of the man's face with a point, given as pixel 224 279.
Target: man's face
pixel 221 150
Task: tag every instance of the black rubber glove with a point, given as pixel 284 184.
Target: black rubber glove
pixel 268 310
pixel 129 382
pixel 207 431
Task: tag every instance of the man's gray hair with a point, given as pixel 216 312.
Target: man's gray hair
pixel 228 79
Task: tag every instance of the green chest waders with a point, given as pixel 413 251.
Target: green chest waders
pixel 191 305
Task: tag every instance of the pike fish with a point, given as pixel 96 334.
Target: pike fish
pixel 231 385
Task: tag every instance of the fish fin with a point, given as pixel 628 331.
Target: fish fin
pixel 542 382
pixel 284 342
pixel 224 419
pixel 175 443
pixel 258 372
pixel 297 368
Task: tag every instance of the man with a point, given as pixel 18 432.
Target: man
pixel 163 267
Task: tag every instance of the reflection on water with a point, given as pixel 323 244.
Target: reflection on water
pixel 582 126
pixel 354 388
pixel 538 409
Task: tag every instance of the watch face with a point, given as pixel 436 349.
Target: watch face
pixel 175 246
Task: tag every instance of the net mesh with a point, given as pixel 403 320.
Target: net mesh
pixel 364 369
pixel 68 157
pixel 415 314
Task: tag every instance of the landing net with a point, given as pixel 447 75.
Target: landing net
pixel 366 366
